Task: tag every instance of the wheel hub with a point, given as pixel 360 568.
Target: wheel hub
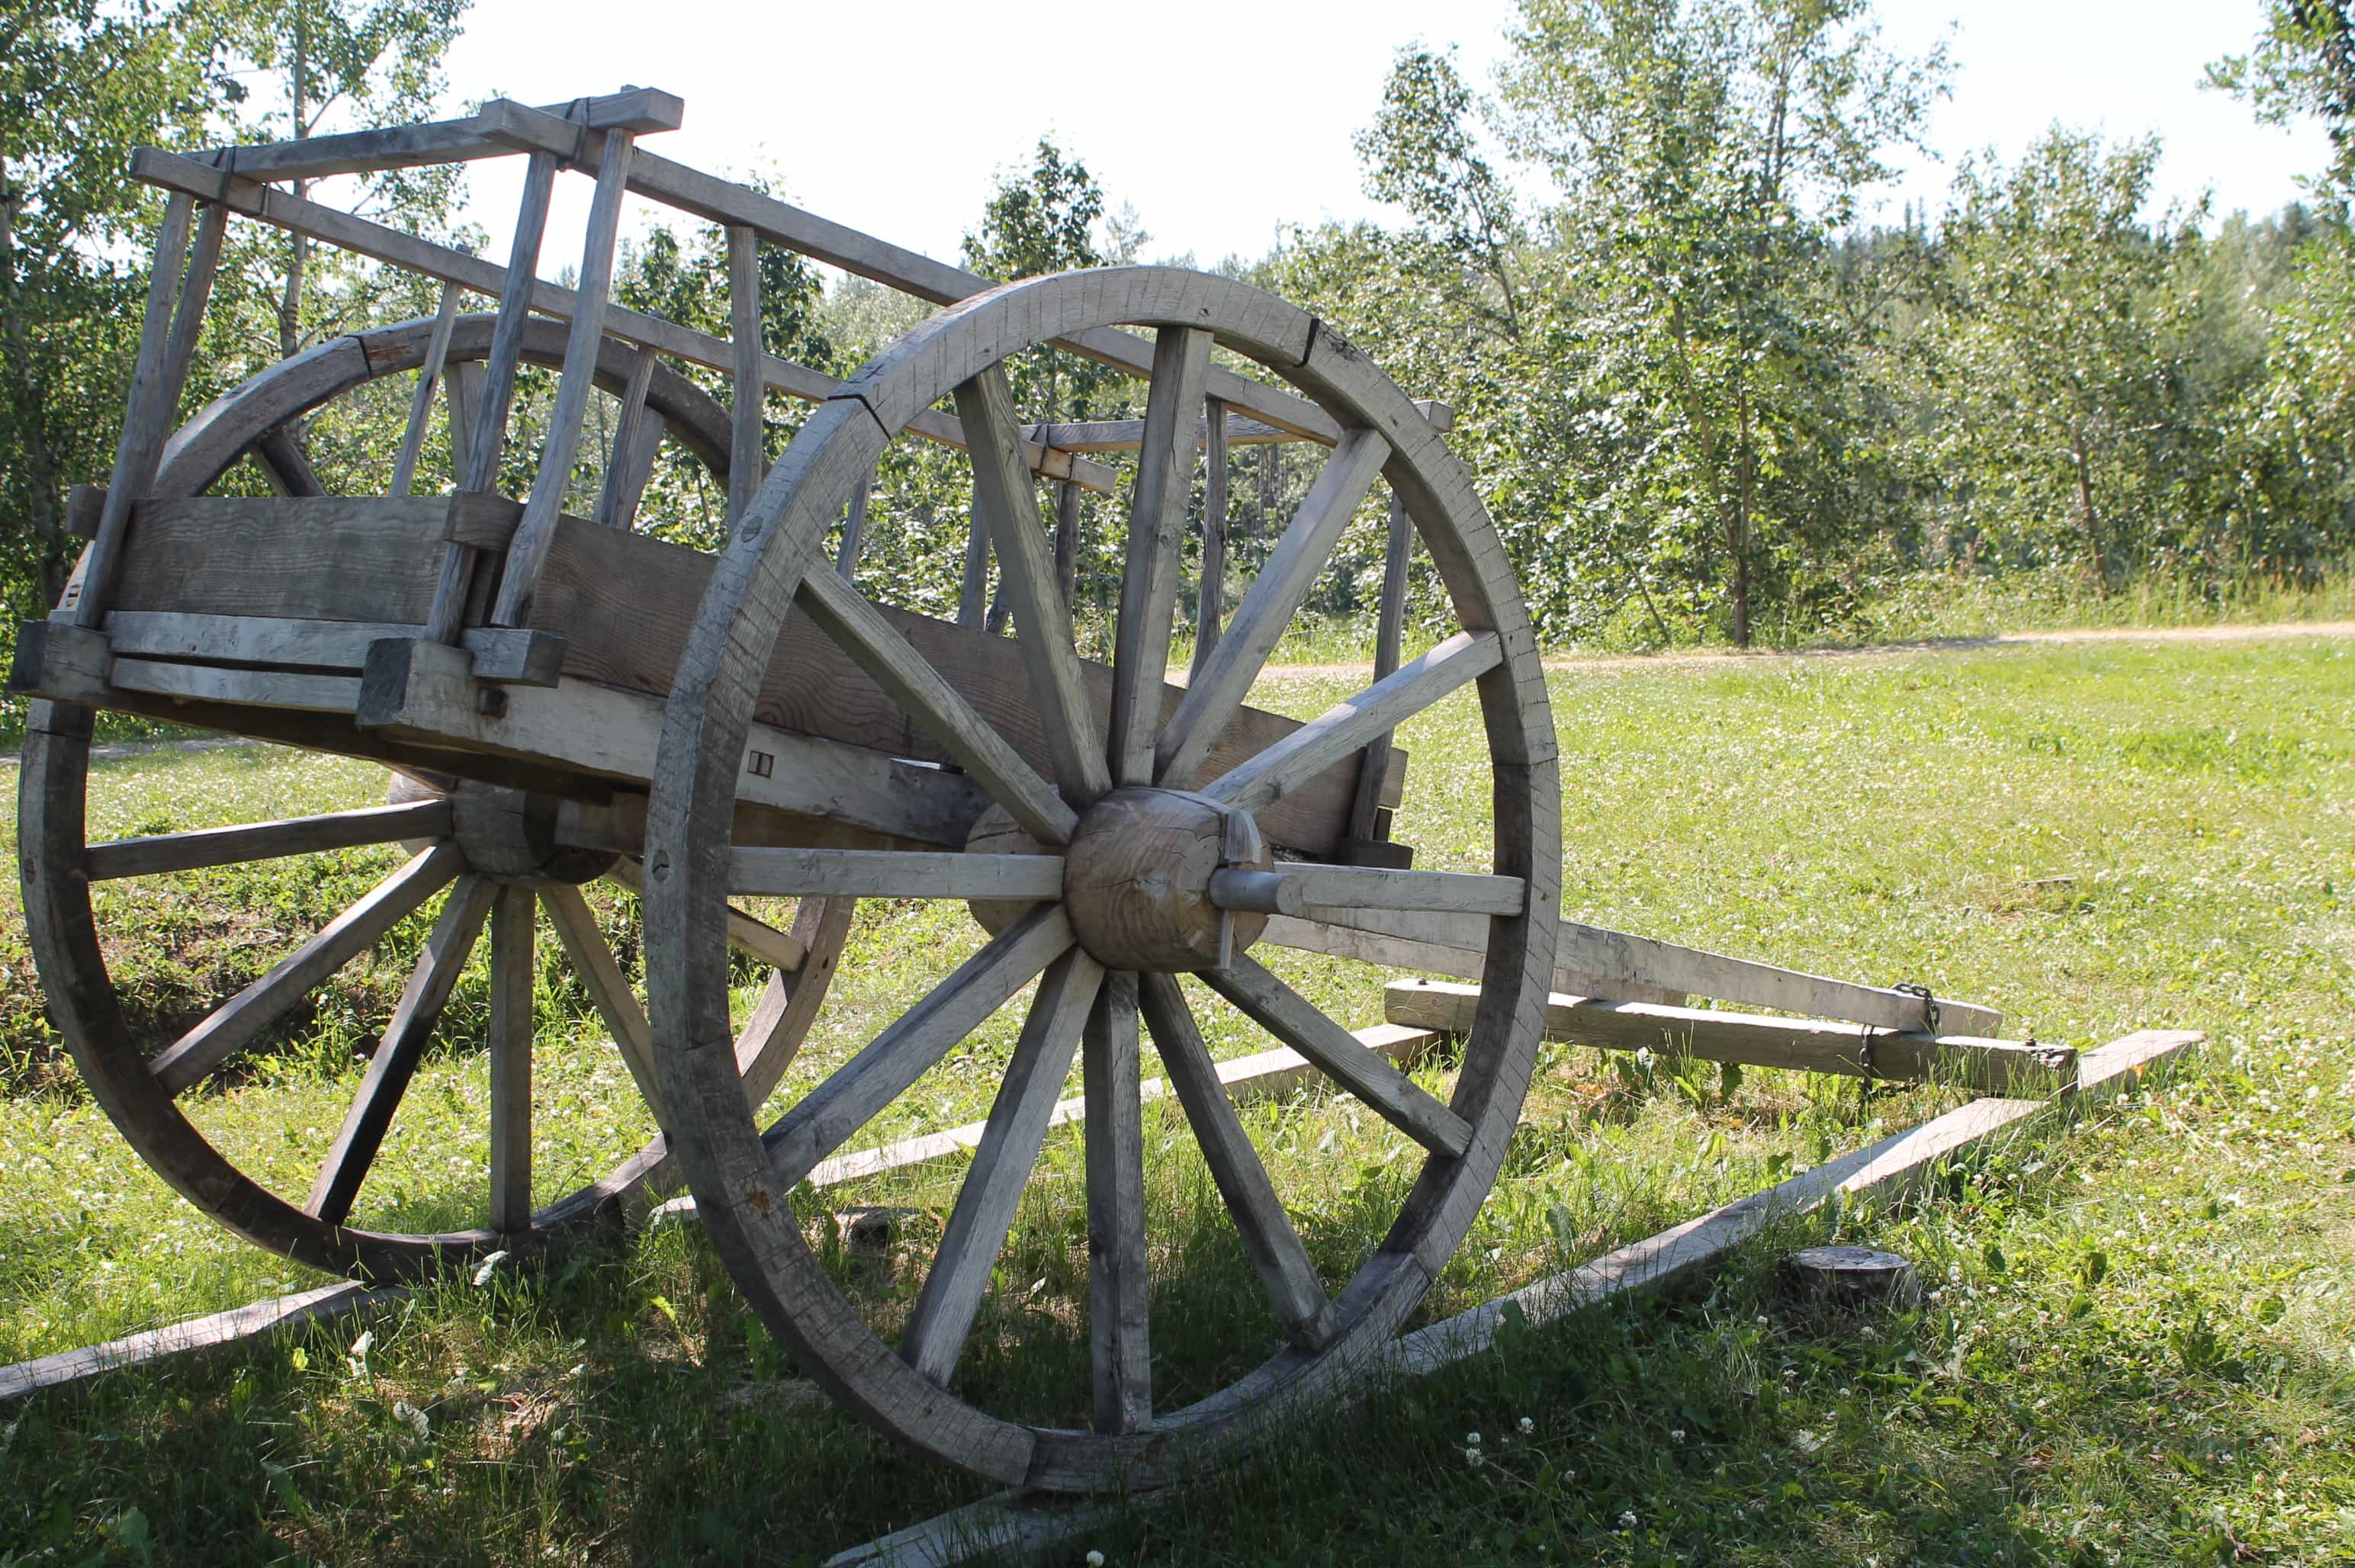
pixel 511 835
pixel 1136 880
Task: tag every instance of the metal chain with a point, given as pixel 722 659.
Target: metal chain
pixel 1929 1005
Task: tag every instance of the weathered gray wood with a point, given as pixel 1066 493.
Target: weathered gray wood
pixel 1119 1316
pixel 421 404
pixel 1372 936
pixel 1805 1045
pixel 512 971
pixel 363 238
pixel 211 683
pixel 636 109
pixel 1210 601
pixel 920 1037
pixel 748 458
pixel 487 441
pixel 1296 1022
pixel 85 504
pixel 238 1326
pixel 637 437
pixel 142 422
pixel 781 1021
pixel 977 1227
pixel 465 394
pixel 1005 497
pixel 1269 608
pixel 854 529
pixel 893 874
pixel 573 389
pixel 924 692
pixel 1848 1276
pixel 1157 525
pixel 1293 885
pixel 238 1021
pixel 1348 726
pixel 401 1048
pixel 1389 631
pixel 775 948
pixel 1067 543
pixel 973 585
pixel 188 316
pixel 210 847
pixel 1275 1248
pixel 608 988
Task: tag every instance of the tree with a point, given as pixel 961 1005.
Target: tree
pixel 2303 65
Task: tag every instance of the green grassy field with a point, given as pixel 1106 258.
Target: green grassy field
pixel 2138 1346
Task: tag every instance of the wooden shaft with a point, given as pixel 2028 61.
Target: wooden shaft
pixel 143 420
pixel 421 404
pixel 513 969
pixel 747 451
pixel 1211 603
pixel 537 532
pixel 1388 633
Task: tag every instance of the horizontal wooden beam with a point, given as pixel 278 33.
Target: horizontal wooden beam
pixel 638 110
pixel 724 202
pixel 892 874
pixel 169 171
pixel 1805 1045
pixel 1128 435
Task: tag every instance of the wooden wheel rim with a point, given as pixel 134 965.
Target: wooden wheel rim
pixel 62 929
pixel 776 544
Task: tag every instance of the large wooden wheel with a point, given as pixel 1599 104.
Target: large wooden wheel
pixel 1124 870
pixel 490 855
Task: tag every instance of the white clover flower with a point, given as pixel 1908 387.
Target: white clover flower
pixel 1527 1426
pixel 1472 1440
pixel 1474 1457
pixel 1095 1559
pixel 1677 1434
pixel 1628 1519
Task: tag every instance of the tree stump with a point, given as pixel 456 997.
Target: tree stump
pixel 1850 1277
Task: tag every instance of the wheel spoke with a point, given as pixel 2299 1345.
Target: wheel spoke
pixel 1157 528
pixel 266 840
pixel 1275 1246
pixel 985 1209
pixel 782 1017
pixel 1267 612
pixel 400 1048
pixel 879 648
pixel 1349 726
pixel 1009 497
pixel 893 874
pixel 1119 1329
pixel 760 939
pixel 236 1022
pixel 511 971
pixel 1297 886
pixel 609 989
pixel 895 1058
pixel 1293 1019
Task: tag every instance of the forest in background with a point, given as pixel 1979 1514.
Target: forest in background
pixel 1705 399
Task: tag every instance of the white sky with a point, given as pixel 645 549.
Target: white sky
pixel 894 117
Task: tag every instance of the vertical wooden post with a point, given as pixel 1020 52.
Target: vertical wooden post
pixel 420 403
pixel 464 396
pixel 1389 632
pixel 143 419
pixel 1066 541
pixel 854 527
pixel 490 427
pixel 747 454
pixel 188 319
pixel 512 972
pixel 973 595
pixel 1211 608
pixel 637 437
pixel 582 343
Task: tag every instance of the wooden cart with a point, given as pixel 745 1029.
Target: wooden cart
pixel 562 698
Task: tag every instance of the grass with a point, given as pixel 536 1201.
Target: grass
pixel 2136 1346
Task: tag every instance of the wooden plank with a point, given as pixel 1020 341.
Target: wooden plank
pixel 1210 596
pixel 165 852
pixel 369 558
pixel 420 403
pixel 1157 523
pixel 574 386
pixel 991 1190
pixel 401 1048
pixel 1362 935
pixel 636 109
pixel 1389 631
pixel 1805 1045
pixel 1068 523
pixel 1270 607
pixel 892 874
pixel 237 1022
pixel 1291 886
pixel 1348 726
pixel 255 687
pixel 359 236
pixel 1296 1022
pixel 1119 1317
pixel 195 1336
pixel 882 1072
pixel 747 453
pixel 513 973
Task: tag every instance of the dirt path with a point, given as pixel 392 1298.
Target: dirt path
pixel 2272 631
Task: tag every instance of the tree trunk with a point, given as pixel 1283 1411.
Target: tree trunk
pixel 1737 540
pixel 290 303
pixel 40 466
pixel 2086 517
